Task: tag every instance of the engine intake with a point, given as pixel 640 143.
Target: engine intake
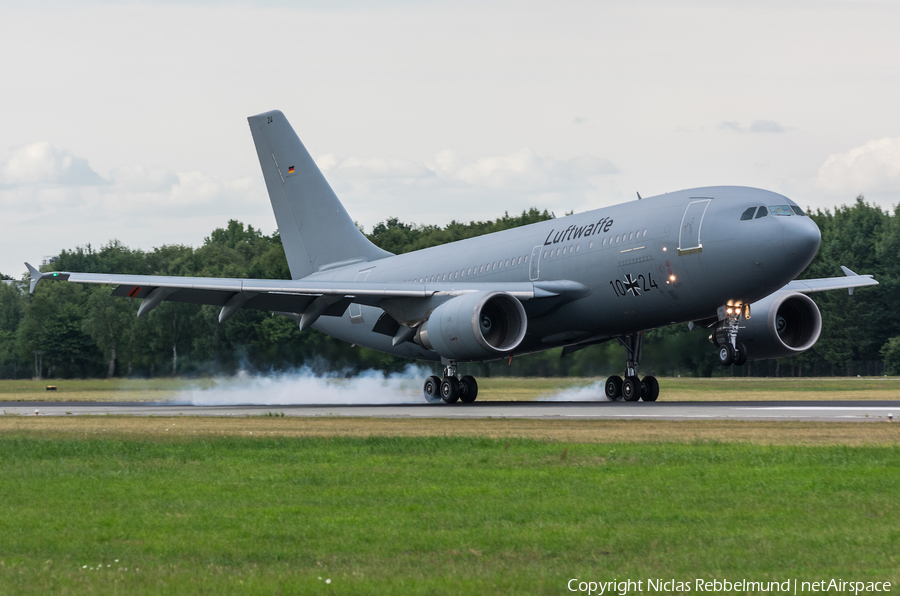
pixel 783 324
pixel 475 326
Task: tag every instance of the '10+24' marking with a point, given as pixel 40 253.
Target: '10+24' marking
pixel 633 285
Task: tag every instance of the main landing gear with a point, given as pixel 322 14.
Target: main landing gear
pixel 450 389
pixel 631 388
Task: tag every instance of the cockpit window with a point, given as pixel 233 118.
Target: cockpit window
pixel 797 210
pixel 781 210
pixel 748 214
pixel 761 212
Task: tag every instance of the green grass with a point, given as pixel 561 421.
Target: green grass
pixel 432 515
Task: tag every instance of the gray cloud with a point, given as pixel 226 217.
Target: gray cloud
pixel 757 126
pixel 44 163
pixel 766 126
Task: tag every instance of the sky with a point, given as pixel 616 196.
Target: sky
pixel 127 120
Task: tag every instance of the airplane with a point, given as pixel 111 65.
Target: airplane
pixel 723 258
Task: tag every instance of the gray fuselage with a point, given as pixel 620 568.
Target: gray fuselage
pixel 662 260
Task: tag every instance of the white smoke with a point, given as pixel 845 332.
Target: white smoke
pixel 304 387
pixel 592 392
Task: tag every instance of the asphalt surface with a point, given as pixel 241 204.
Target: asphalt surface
pixel 859 411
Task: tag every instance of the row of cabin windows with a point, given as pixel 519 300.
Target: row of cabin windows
pixel 763 211
pixel 512 262
pixel 610 240
pixel 571 249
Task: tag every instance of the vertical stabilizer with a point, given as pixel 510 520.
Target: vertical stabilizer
pixel 315 228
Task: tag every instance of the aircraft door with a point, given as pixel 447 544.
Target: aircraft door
pixel 534 270
pixel 689 235
pixel 356 315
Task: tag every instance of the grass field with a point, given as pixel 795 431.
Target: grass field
pixel 135 512
pixel 497 388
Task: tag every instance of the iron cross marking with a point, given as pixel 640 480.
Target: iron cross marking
pixel 632 285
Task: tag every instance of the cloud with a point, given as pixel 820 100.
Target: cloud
pixel 757 126
pixel 871 168
pixel 44 163
pixel 372 168
pixel 766 126
pixel 138 178
pixel 524 171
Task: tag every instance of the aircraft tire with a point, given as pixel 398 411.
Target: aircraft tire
pixel 726 354
pixel 631 389
pixel 432 390
pixel 649 388
pixel 613 388
pixel 450 390
pixel 740 358
pixel 468 389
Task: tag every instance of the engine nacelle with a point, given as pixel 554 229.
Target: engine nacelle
pixel 783 324
pixel 474 326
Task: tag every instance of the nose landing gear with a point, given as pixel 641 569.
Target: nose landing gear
pixel 730 350
pixel 450 389
pixel 632 388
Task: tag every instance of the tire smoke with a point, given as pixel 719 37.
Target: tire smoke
pixel 305 387
pixel 592 392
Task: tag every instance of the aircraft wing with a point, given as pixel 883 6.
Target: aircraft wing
pixel 849 282
pixel 294 296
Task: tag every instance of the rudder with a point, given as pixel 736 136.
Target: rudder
pixel 315 229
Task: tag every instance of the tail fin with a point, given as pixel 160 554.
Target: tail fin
pixel 315 229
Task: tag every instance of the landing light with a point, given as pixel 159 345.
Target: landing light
pixel 671 278
pixel 664 249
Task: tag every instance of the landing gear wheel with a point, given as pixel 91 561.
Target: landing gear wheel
pixel 432 390
pixel 631 389
pixel 613 388
pixel 726 354
pixel 468 389
pixel 649 389
pixel 450 390
pixel 741 357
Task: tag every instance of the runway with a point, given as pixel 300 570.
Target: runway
pixel 854 411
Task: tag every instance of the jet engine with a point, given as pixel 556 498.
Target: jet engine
pixel 783 324
pixel 476 326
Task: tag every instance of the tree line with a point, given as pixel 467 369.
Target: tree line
pixel 69 330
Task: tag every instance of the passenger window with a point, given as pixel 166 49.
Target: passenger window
pixel 797 210
pixel 470 271
pixel 526 258
pixel 617 238
pixel 571 248
pixel 564 250
pixel 603 243
pixel 761 212
pixel 748 214
pixel 591 243
pixel 645 232
pixel 557 251
pixel 783 210
pixel 520 260
pixel 545 254
pixel 578 247
pixel 631 236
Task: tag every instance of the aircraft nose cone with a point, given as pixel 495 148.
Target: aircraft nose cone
pixel 802 239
